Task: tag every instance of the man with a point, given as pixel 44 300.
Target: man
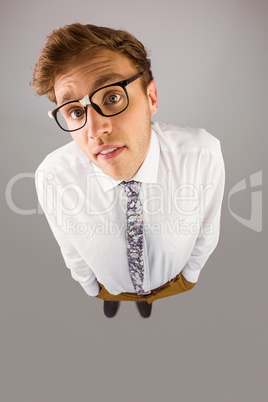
pixel 134 205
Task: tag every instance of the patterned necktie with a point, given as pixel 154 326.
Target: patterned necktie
pixel 134 234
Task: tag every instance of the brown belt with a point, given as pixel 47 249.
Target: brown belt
pixel 155 291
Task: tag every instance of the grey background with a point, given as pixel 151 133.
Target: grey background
pixel 210 64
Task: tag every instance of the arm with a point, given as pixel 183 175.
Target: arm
pixel 80 271
pixel 208 236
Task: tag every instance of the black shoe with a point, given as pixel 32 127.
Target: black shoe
pixel 110 308
pixel 144 309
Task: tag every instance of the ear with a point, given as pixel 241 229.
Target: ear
pixel 152 97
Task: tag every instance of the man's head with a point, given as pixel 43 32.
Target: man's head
pixel 66 44
pixel 79 59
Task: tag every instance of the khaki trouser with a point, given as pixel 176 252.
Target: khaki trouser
pixel 177 285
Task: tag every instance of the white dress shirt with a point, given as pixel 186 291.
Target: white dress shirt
pixel 182 188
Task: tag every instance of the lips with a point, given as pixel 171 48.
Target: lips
pixel 105 152
pixel 105 147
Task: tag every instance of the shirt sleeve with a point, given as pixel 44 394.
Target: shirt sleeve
pixel 208 236
pixel 80 271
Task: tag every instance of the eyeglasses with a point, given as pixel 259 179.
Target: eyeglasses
pixel 108 101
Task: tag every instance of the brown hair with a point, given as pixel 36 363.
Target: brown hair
pixel 65 44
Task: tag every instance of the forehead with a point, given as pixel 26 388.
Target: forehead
pixel 90 71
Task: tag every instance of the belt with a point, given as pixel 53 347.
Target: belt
pixel 155 291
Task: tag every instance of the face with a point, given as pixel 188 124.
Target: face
pixel 119 144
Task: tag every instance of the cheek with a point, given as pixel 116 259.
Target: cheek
pixel 80 139
pixel 135 114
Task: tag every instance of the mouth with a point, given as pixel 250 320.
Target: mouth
pixel 108 151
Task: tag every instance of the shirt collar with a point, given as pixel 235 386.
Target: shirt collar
pixel 147 173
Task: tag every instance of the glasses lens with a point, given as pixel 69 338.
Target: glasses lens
pixel 71 116
pixel 111 100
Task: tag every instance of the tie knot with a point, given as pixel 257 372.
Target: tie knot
pixel 131 188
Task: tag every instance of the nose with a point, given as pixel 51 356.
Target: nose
pixel 97 125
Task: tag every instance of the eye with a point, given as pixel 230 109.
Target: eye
pixel 76 113
pixel 112 99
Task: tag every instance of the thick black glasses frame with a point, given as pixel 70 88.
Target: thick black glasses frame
pixel 121 84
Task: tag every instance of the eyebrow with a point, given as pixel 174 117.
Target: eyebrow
pixel 105 79
pixel 98 83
